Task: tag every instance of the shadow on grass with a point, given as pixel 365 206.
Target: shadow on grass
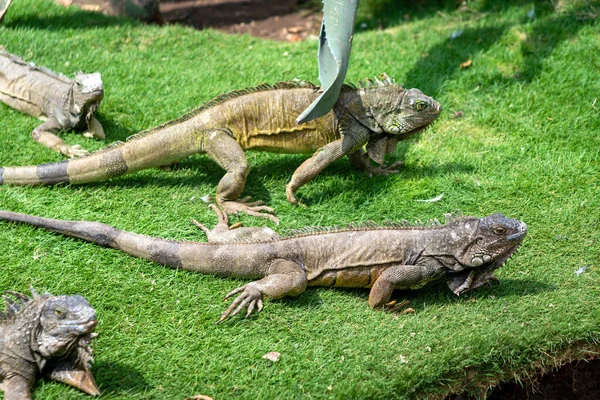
pixel 438 294
pixel 207 172
pixel 77 19
pixel 118 378
pixel 547 31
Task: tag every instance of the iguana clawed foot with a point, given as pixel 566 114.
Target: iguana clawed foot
pixel 73 151
pixel 289 192
pixel 255 208
pixel 251 297
pixel 223 233
pixel 384 169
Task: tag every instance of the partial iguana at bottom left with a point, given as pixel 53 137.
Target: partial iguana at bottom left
pixel 465 252
pixel 45 335
pixel 62 103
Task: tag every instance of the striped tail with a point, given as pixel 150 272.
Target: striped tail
pixel 152 148
pixel 98 166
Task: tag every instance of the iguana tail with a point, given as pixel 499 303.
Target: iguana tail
pixel 206 258
pixel 159 250
pixel 158 147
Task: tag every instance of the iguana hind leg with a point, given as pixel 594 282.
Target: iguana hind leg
pixel 46 134
pixel 220 145
pixel 284 278
pixel 223 233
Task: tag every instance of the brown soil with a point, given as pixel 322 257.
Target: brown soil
pixel 271 19
pixel 574 381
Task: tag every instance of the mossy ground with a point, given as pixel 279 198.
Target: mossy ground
pixel 527 145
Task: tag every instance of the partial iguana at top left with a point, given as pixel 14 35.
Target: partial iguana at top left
pixel 262 118
pixel 4 4
pixel 49 336
pixel 62 103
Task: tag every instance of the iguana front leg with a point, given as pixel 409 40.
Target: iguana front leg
pixel 17 388
pixel 220 145
pixel 284 278
pixel 95 129
pixel 46 135
pixel 400 277
pixel 360 160
pixel 354 137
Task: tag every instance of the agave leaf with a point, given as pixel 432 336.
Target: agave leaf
pixel 335 43
pixel 4 4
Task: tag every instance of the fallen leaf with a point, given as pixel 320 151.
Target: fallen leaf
pixel 432 200
pixel 199 397
pixel 272 356
pixel 582 270
pixel 466 64
pixel 408 311
pixel 458 114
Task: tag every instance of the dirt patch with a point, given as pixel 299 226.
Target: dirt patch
pixel 277 20
pixel 578 380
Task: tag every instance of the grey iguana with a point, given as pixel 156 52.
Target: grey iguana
pixel 62 103
pixel 49 336
pixel 465 251
pixel 262 118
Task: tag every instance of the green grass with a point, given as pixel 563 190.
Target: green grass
pixel 528 146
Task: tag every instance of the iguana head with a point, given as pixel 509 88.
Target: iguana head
pixel 398 111
pixel 88 92
pixel 63 338
pixel 63 320
pixel 476 247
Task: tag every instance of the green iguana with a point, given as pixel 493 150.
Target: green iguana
pixel 45 335
pixel 62 103
pixel 465 251
pixel 262 118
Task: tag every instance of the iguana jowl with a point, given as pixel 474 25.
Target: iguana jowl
pixel 465 251
pixel 261 118
pixel 62 103
pixel 45 335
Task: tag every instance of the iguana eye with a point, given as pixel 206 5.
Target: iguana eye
pixel 499 230
pixel 59 313
pixel 420 105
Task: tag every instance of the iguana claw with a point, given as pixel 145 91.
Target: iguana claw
pixel 384 169
pixel 73 151
pixel 256 209
pixel 251 297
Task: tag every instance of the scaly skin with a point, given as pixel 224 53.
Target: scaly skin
pixel 262 118
pixel 62 103
pixel 465 251
pixel 47 335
